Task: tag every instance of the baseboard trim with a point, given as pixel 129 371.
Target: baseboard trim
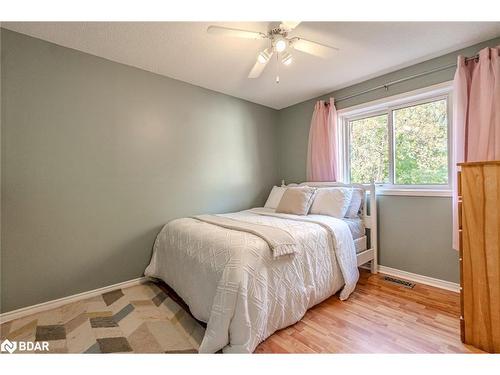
pixel 25 311
pixel 438 283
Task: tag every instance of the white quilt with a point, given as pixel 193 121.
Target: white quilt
pixel 230 279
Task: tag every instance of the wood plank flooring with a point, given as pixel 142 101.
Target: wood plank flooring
pixel 379 317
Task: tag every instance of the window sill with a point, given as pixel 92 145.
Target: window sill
pixel 415 192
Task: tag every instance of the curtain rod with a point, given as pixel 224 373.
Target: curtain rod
pixel 386 85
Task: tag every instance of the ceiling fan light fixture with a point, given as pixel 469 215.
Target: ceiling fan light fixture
pixel 280 44
pixel 264 56
pixel 286 59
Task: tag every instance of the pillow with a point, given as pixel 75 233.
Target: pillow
pixel 332 201
pixel 358 196
pixel 274 197
pixel 296 200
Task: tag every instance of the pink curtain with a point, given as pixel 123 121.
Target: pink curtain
pixel 322 149
pixel 476 115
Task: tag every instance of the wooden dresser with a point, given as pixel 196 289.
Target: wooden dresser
pixel 479 234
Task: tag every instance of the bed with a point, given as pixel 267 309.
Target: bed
pixel 231 280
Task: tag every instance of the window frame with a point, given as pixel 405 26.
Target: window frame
pixel 388 106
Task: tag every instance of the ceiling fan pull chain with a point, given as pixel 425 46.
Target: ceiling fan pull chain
pixel 277 68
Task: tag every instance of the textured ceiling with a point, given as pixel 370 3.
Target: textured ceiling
pixel 183 50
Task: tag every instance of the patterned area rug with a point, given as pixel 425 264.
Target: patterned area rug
pixel 139 319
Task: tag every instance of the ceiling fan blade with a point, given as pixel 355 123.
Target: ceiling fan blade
pixel 258 67
pixel 313 48
pixel 227 31
pixel 289 25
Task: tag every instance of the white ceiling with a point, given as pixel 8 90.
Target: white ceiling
pixel 183 50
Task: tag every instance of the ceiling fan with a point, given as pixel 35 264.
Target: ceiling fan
pixel 281 44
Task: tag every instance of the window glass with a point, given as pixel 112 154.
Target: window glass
pixel 421 144
pixel 369 150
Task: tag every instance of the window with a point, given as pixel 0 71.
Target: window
pixel 402 143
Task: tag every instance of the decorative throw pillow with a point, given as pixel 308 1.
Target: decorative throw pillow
pixel 296 200
pixel 358 196
pixel 332 201
pixel 274 197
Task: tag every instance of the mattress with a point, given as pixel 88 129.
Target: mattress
pixel 360 244
pixel 356 227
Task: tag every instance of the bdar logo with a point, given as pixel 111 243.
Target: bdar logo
pixel 8 346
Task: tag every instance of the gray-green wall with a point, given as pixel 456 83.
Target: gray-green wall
pixel 414 232
pixel 97 156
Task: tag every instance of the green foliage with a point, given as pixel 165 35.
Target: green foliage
pixel 420 146
pixel 369 150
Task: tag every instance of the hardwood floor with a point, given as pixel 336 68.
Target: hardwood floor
pixel 379 317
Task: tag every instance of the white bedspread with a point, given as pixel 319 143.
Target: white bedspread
pixel 230 279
